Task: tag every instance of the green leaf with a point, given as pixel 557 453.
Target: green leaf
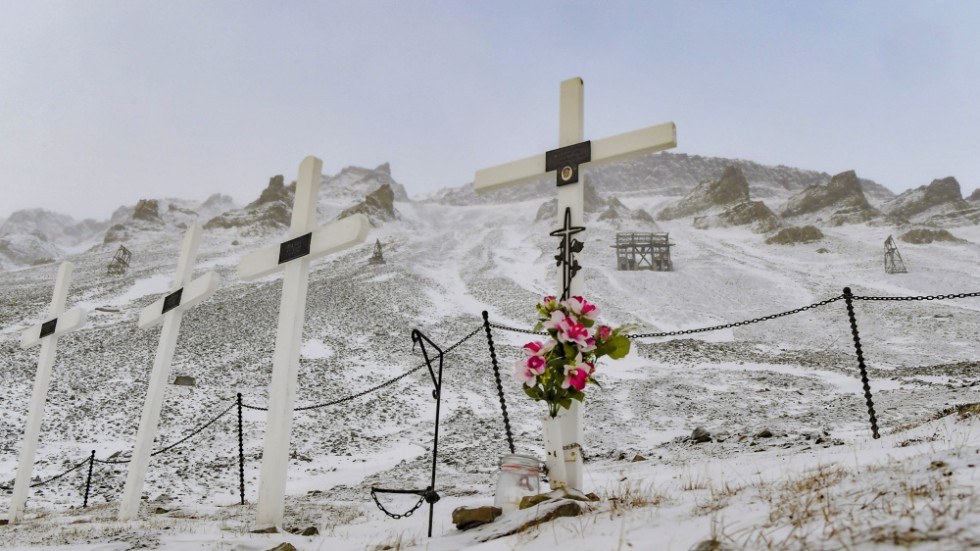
pixel 619 347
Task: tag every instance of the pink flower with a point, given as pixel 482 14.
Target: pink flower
pixel 580 307
pixel 605 332
pixel 572 332
pixel 536 364
pixel 538 348
pixel 577 373
pixel 578 379
pixel 524 374
pixel 555 321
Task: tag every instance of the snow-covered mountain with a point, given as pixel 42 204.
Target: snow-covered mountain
pixel 664 174
pixel 782 401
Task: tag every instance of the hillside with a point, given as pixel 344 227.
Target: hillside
pixel 794 379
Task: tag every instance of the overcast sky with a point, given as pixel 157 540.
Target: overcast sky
pixel 106 102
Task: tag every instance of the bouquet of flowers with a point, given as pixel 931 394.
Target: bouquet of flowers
pixel 556 370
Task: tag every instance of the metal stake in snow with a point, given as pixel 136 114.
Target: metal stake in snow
pixel 47 334
pixel 566 161
pixel 305 243
pixel 184 295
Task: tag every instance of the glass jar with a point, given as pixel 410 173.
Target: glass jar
pixel 519 476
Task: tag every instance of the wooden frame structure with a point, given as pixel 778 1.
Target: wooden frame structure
pixel 643 251
pixel 120 262
pixel 893 259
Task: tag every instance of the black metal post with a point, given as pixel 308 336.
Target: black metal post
pixel 88 481
pixel 496 375
pixel 241 452
pixel 848 300
pixel 430 495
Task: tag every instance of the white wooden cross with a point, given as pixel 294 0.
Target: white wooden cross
pixel 184 294
pixel 47 333
pixel 306 242
pixel 566 161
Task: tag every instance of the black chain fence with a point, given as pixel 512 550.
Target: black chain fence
pixel 847 296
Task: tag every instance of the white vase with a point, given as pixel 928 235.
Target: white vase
pixel 554 455
pixel 571 435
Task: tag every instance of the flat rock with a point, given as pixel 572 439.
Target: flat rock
pixel 283 547
pixel 470 517
pixel 268 530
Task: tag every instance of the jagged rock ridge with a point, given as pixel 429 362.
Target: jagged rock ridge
pixel 665 173
pixel 938 204
pixel 840 201
pixel 272 209
pixel 723 203
pixel 378 206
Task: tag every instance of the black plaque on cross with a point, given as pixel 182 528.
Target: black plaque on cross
pixel 566 160
pixel 173 300
pixel 48 327
pixel 567 249
pixel 295 248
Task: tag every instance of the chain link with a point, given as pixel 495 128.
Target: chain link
pixel 920 297
pixel 175 444
pixel 397 516
pixel 53 478
pixel 376 387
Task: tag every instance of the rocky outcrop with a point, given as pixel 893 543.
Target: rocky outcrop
pixel 723 203
pixel 354 183
pixel 840 201
pixel 272 210
pixel 730 189
pixel 59 229
pixel 27 250
pixel 616 211
pixel 378 206
pixel 754 214
pixel 975 196
pixel 794 235
pixel 592 203
pixel 938 204
pixel 148 210
pixel 922 236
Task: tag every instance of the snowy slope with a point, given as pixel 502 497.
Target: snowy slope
pixel 795 377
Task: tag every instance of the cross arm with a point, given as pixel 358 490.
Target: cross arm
pixel 509 174
pixel 192 294
pixel 333 237
pixel 645 140
pixel 66 323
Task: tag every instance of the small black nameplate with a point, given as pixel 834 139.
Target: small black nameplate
pixel 295 248
pixel 48 327
pixel 173 300
pixel 566 160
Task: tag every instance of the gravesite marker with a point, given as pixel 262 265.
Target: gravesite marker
pixel 566 162
pixel 305 243
pixel 47 334
pixel 169 310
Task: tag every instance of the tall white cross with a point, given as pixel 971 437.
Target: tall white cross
pixel 566 162
pixel 47 333
pixel 305 243
pixel 184 294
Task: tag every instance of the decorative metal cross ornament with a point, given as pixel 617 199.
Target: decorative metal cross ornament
pixel 567 250
pixel 566 161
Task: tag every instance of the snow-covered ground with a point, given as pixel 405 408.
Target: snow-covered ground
pixel 818 482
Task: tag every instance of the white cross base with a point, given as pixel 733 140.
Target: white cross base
pixel 293 257
pixel 63 322
pixel 169 311
pixel 571 197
